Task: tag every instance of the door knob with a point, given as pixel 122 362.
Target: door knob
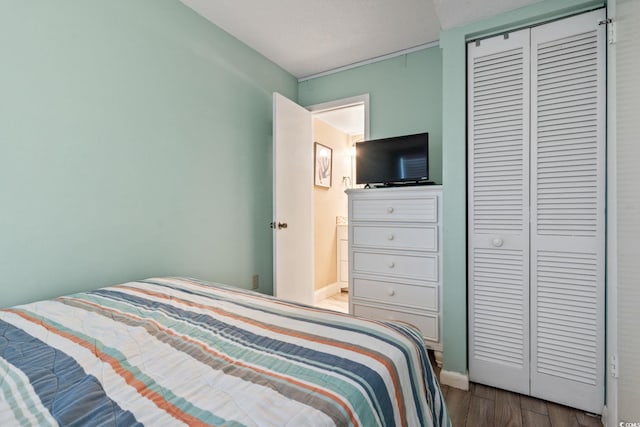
pixel 282 225
pixel 497 242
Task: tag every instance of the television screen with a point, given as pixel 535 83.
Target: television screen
pixel 399 159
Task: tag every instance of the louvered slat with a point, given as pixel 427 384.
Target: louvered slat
pixel 566 73
pixel 576 311
pixel 498 295
pixel 498 126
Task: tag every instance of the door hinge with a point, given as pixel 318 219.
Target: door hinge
pixel 611 32
pixel 611 29
pixel 614 366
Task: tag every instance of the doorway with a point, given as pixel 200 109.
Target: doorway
pixel 338 126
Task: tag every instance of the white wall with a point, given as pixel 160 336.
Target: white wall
pixel 626 234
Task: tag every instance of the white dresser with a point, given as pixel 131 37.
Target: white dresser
pixel 395 257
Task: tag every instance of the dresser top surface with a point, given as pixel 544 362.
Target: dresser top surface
pixel 407 190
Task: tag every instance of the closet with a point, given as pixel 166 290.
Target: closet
pixel 536 210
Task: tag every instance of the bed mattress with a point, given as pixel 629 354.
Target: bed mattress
pixel 176 351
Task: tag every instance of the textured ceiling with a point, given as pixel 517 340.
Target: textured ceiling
pixel 308 37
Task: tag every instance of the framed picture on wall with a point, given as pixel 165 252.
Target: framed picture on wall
pixel 323 158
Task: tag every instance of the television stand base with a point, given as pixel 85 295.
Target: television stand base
pixel 404 184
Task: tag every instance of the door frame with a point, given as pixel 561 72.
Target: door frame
pixel 339 104
pixel 319 108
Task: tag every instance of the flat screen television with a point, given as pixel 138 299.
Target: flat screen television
pixel 393 161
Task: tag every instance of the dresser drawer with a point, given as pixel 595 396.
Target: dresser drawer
pixel 420 296
pixel 427 323
pixel 423 209
pixel 390 237
pixel 421 267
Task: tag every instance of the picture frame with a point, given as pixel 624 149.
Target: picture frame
pixel 323 165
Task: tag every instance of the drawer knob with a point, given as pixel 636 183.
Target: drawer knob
pixel 390 237
pixel 392 264
pixel 390 209
pixel 391 292
pixel 497 242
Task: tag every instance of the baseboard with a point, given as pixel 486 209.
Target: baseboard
pixel 327 291
pixel 454 379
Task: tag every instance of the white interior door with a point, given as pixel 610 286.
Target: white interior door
pixel 293 273
pixel 498 196
pixel 568 210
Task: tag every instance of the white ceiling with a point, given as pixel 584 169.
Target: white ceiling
pixel 308 37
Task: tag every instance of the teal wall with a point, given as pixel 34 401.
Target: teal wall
pixel 453 44
pixel 135 141
pixel 405 97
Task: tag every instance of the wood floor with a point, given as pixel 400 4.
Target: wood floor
pixel 484 406
pixel 491 407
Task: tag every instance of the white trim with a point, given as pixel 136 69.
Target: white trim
pixel 372 60
pixel 610 413
pixel 326 291
pixel 339 103
pixel 454 379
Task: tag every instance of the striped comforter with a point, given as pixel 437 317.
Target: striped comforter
pixel 172 351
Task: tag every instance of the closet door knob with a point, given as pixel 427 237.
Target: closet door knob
pixel 391 264
pixel 390 209
pixel 497 242
pixel 390 237
pixel 391 292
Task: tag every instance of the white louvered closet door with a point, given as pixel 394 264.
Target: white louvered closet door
pixel 498 191
pixel 568 211
pixel 536 283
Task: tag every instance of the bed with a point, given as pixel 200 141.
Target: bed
pixel 177 351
